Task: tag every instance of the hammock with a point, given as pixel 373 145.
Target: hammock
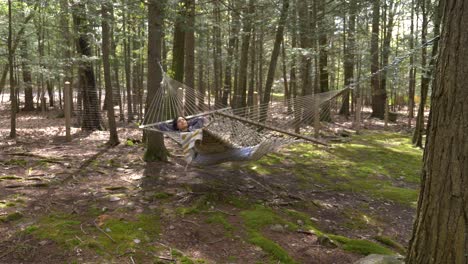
pixel 227 134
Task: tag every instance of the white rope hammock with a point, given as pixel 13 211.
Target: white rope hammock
pixel 227 134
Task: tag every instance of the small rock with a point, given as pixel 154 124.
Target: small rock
pixel 137 241
pixel 314 219
pixel 327 242
pixel 43 242
pixel 108 230
pixel 171 227
pixel 300 222
pixel 277 228
pixel 37 208
pixel 380 259
pixel 114 199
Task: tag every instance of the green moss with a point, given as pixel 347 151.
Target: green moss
pixel 360 246
pixel 391 243
pixel 181 258
pixel 308 224
pixel 275 250
pixel 10 177
pixel 59 227
pixel 261 216
pixel 30 229
pixel 239 202
pixel 17 162
pixel 383 165
pixel 258 218
pixel 11 217
pixel 219 218
pixel 162 195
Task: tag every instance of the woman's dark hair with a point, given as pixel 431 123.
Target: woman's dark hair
pixel 174 122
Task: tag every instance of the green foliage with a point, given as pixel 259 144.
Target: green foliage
pixel 219 218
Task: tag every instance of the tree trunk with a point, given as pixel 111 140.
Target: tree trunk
pixel 412 79
pixel 275 54
pixel 179 43
pixel 106 39
pixel 426 72
pixel 323 60
pixel 154 140
pixel 379 96
pixel 235 25
pixel 217 54
pixel 128 71
pixel 91 119
pixel 27 79
pixel 441 226
pixel 12 83
pixel 349 57
pixel 241 93
pixel 190 57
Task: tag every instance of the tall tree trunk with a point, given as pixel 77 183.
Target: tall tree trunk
pixel 440 233
pixel 233 35
pixel 349 51
pixel 190 55
pixel 128 71
pixel 154 141
pixel 106 39
pixel 27 79
pixel 323 59
pixel 12 83
pixel 275 54
pixel 386 44
pixel 304 43
pixel 179 43
pixel 91 114
pixel 250 93
pixel 379 95
pixel 412 79
pixel 115 65
pixel 426 70
pixel 241 92
pixel 15 43
pixel 217 53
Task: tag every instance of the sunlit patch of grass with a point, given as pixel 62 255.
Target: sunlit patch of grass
pixel 258 218
pixel 183 259
pixel 123 235
pixel 220 219
pixel 360 246
pixel 391 243
pixel 372 163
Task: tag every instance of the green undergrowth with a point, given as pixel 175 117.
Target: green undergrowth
pixel 220 219
pixel 391 243
pixel 383 165
pixel 114 237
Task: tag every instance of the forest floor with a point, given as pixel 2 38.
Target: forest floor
pixel 83 202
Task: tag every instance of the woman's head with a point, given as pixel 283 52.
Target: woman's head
pixel 180 123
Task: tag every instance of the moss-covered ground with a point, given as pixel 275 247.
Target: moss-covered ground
pixel 249 213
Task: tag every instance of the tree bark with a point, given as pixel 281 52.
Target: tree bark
pixel 178 47
pixel 379 95
pixel 349 56
pixel 12 83
pixel 241 92
pixel 91 118
pixel 190 57
pixel 441 226
pixel 106 39
pixel 155 149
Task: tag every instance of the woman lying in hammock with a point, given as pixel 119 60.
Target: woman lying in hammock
pixel 181 124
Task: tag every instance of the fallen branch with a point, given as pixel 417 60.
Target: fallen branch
pixel 191 222
pixel 96 225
